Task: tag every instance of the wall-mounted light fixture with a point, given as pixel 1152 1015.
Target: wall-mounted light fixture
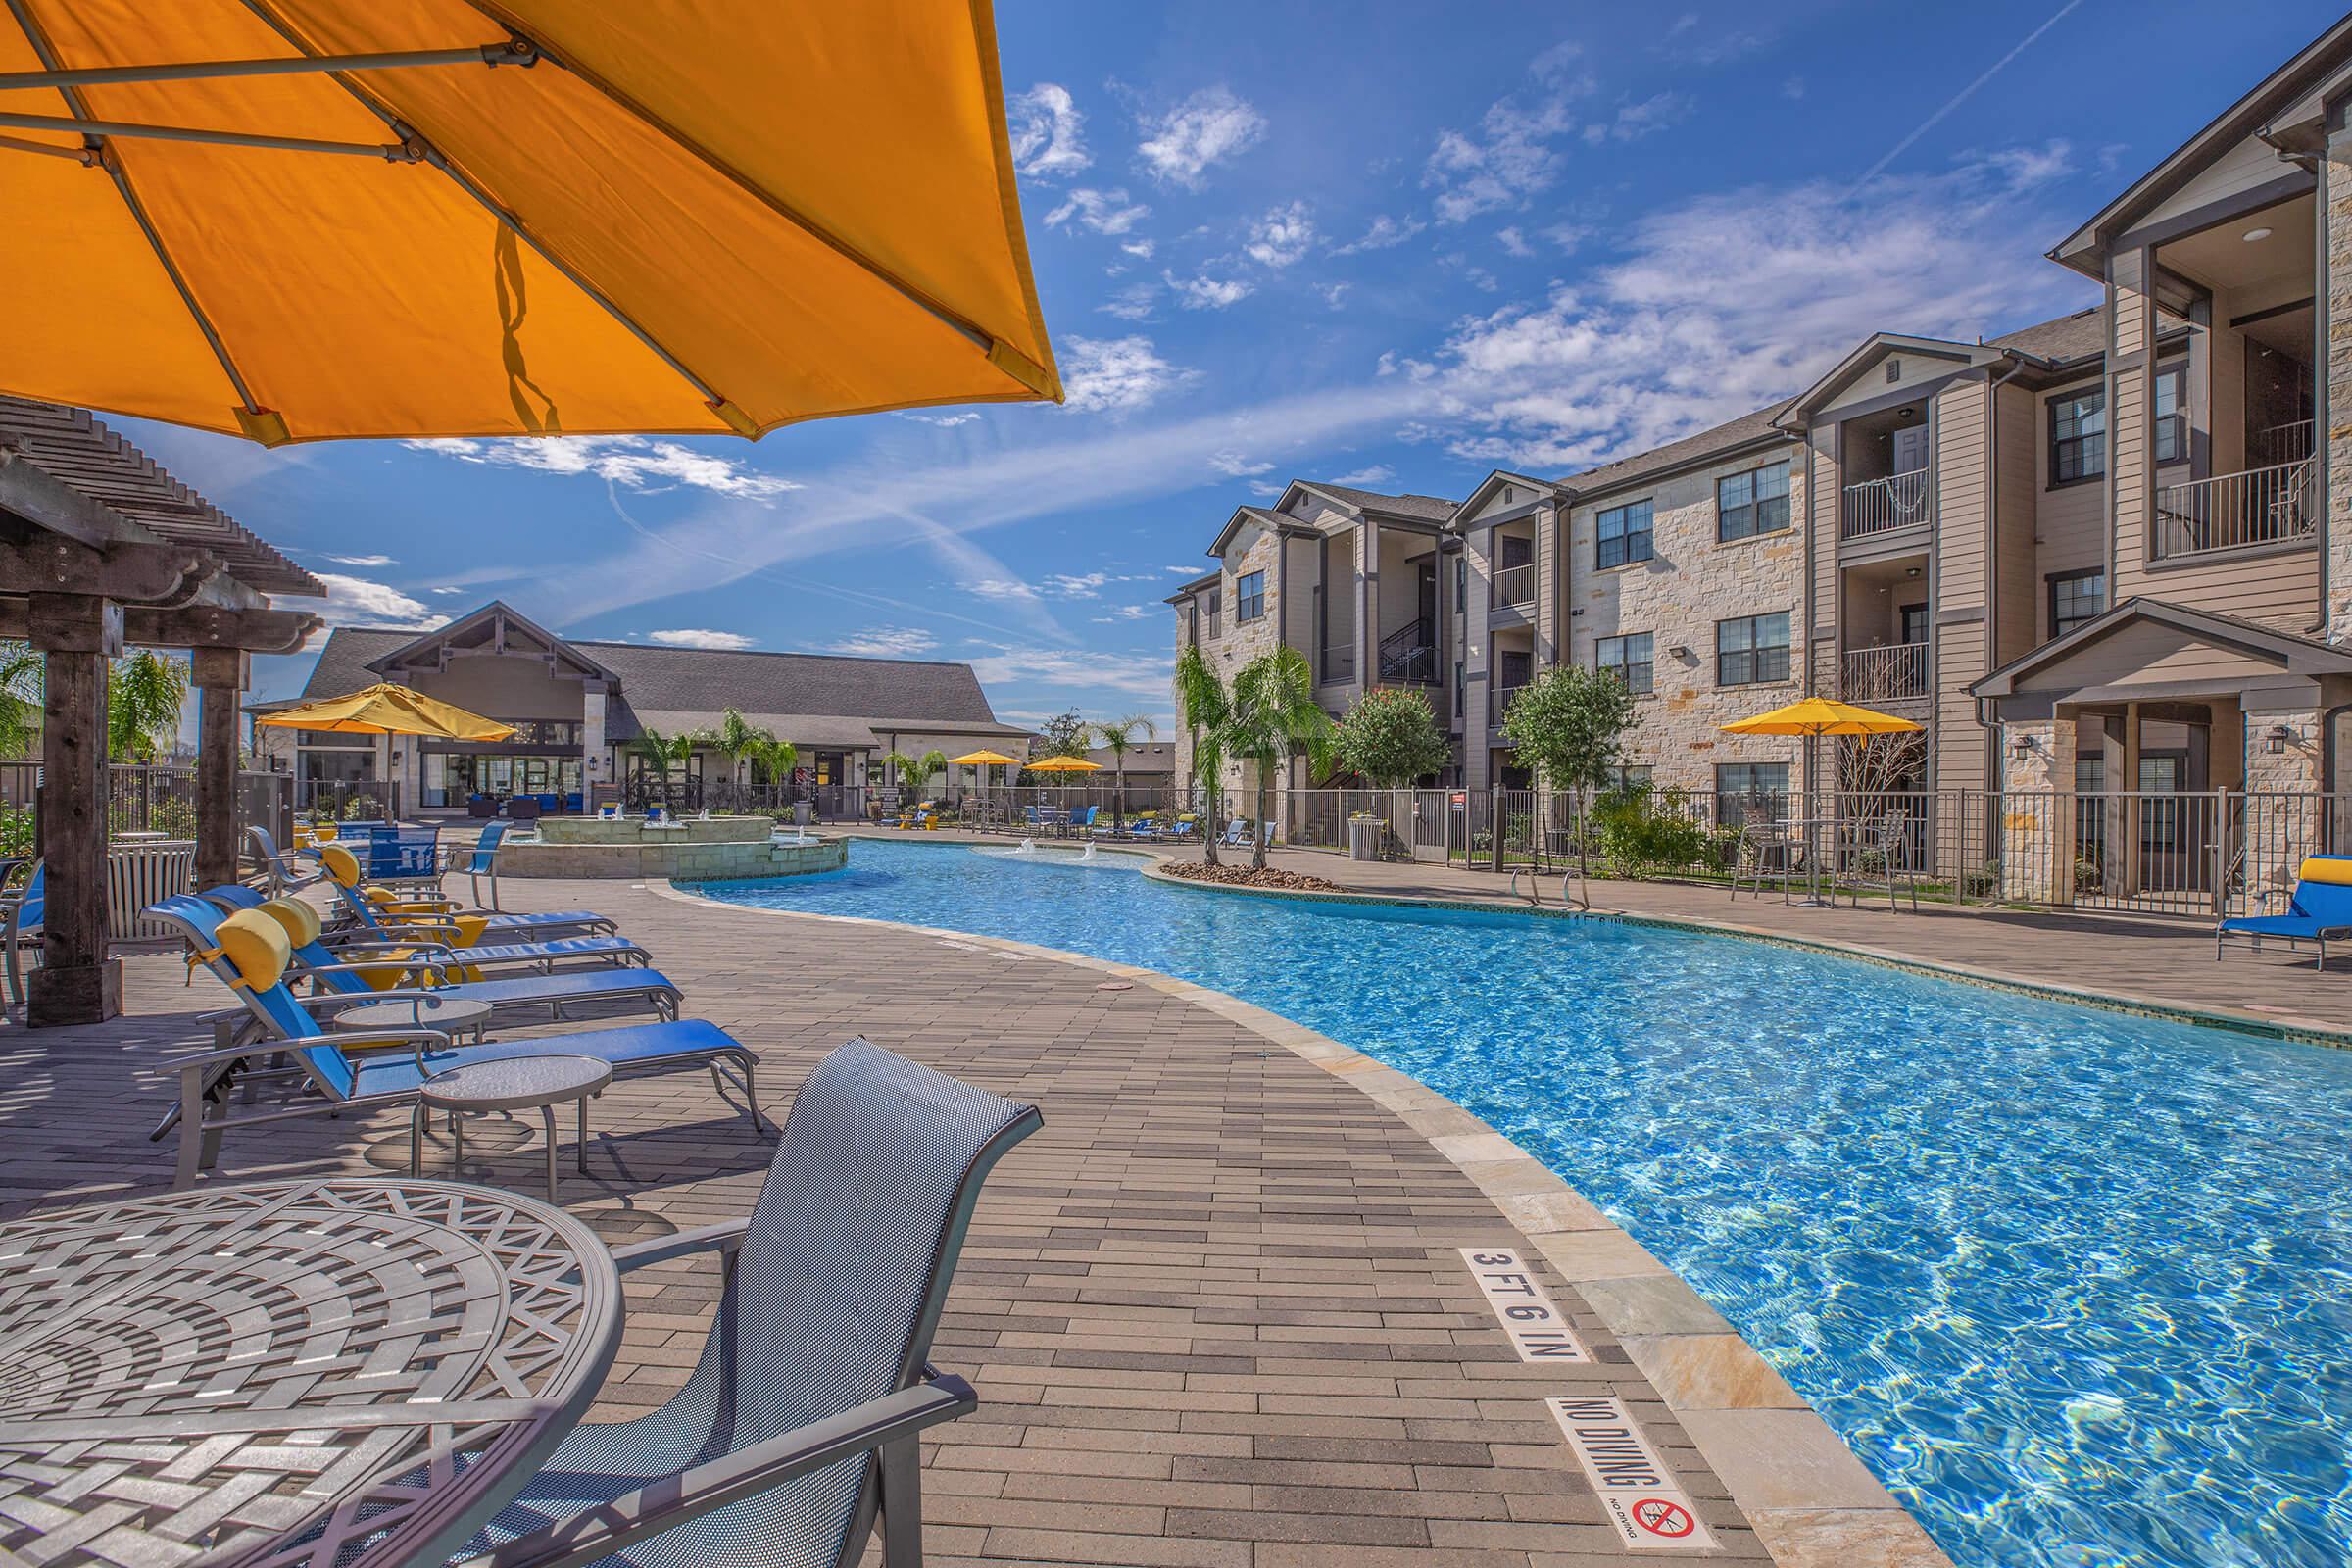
pixel 2023 744
pixel 1679 651
pixel 2255 236
pixel 2275 739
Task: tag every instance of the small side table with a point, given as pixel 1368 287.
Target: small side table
pixel 454 1016
pixel 512 1083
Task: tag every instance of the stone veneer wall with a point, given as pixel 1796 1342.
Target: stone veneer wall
pixel 1690 582
pixel 682 860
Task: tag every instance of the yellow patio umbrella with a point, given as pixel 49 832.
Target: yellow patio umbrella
pixel 387 709
pixel 313 219
pixel 984 759
pixel 1821 715
pixel 1065 764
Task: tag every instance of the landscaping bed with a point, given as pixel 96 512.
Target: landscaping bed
pixel 1241 876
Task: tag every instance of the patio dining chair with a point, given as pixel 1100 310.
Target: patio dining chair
pixel 1766 852
pixel 797 1433
pixel 26 909
pixel 324 1071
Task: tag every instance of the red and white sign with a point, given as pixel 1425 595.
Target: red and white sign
pixel 1539 1330
pixel 1642 1498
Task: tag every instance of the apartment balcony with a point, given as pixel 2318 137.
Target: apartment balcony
pixel 1337 667
pixel 2267 505
pixel 1881 506
pixel 1513 587
pixel 1894 673
pixel 2281 443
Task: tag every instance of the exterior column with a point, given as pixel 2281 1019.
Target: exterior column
pixel 220 675
pixel 1478 688
pixel 76 982
pixel 2334 372
pixel 1367 607
pixel 2037 828
pixel 2285 814
pixel 592 746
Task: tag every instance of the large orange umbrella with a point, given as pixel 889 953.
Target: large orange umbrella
pixel 294 219
pixel 387 709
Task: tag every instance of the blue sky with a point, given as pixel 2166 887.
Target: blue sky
pixel 1386 243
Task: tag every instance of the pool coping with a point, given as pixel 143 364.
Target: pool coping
pixel 1811 1501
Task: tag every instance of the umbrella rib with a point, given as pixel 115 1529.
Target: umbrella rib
pixel 979 336
pixel 734 416
pixel 111 161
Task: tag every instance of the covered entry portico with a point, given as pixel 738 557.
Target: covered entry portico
pixel 2164 757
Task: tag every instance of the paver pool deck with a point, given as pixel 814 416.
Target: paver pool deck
pixel 1217 1310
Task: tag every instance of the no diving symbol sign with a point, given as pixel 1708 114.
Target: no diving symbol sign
pixel 1668 1520
pixel 1640 1494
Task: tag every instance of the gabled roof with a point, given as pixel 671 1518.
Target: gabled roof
pixel 489 627
pixel 2293 655
pixel 1372 502
pixel 1207 579
pixel 1494 481
pixel 1729 436
pixel 2283 89
pixel 1247 514
pixel 1874 348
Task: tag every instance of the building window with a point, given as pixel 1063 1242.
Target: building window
pixel 1744 790
pixel 1626 777
pixel 1752 503
pixel 1216 613
pixel 2079 436
pixel 2171 424
pixel 1461 585
pixel 1461 687
pixel 1249 597
pixel 1751 649
pixel 2076 597
pixel 1621 534
pixel 1630 657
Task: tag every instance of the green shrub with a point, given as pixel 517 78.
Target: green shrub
pixel 1639 842
pixel 16 830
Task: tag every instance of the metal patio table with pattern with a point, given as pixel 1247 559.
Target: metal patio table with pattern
pixel 351 1372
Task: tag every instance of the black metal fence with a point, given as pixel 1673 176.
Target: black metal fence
pixel 144 798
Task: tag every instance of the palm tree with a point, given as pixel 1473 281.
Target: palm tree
pixel 777 759
pixel 1118 736
pixel 740 740
pixel 665 751
pixel 145 692
pixel 1203 705
pixel 1273 718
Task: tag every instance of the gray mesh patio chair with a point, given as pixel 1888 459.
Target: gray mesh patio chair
pixel 799 1425
pixel 1767 852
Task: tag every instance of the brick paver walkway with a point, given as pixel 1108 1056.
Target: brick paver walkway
pixel 1215 1311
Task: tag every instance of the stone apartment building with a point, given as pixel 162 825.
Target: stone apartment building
pixel 2104 553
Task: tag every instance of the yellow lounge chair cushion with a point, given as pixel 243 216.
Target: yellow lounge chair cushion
pixel 2336 870
pixel 341 864
pixel 299 919
pixel 256 946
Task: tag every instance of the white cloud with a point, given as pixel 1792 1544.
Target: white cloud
pixel 1371 479
pixel 1046 132
pixel 886 642
pixel 633 461
pixel 1075 670
pixel 1207 128
pixel 1728 301
pixel 1386 231
pixel 1105 211
pixel 1794 89
pixel 1633 122
pixel 1001 588
pixel 358 601
pixel 1115 374
pixel 450 591
pixel 1206 293
pixel 362 561
pixel 1129 612
pixel 1334 294
pixel 699 637
pixel 1515 242
pixel 1281 236
pixel 1236 467
pixel 1134 303
pixel 1140 248
pixel 946 421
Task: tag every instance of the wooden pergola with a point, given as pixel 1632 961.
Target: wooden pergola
pixel 101 549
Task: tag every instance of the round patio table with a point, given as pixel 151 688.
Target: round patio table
pixel 451 1015
pixel 512 1083
pixel 352 1371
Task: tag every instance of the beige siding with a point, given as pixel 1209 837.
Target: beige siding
pixel 2280 590
pixel 2251 162
pixel 1915 369
pixel 1961 495
pixel 2128 471
pixel 2070 523
pixel 2016 489
pixel 2149 655
pixel 1958 760
pixel 1823 497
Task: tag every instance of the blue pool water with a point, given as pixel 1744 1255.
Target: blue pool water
pixel 2076 1285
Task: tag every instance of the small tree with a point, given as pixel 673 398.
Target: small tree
pixel 777 759
pixel 1389 738
pixel 916 771
pixel 1118 738
pixel 740 739
pixel 665 751
pixel 1062 735
pixel 1568 725
pixel 1202 704
pixel 1273 718
pixel 145 692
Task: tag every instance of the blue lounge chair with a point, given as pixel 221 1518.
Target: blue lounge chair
pixel 250 952
pixel 597 950
pixel 387 913
pixel 797 1429
pixel 2319 909
pixel 340 980
pixel 23 929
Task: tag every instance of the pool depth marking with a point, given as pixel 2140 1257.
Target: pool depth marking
pixel 1640 1495
pixel 1537 1329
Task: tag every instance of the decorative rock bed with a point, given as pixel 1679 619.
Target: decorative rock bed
pixel 718 849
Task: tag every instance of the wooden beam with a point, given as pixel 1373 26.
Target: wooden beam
pixel 220 675
pixel 251 631
pixel 52 563
pixel 77 983
pixel 45 500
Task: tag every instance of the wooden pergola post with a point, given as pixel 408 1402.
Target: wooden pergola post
pixel 220 676
pixel 75 635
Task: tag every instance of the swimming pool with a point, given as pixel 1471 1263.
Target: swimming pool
pixel 2076 1285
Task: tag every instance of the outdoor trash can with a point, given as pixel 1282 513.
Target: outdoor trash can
pixel 1363 837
